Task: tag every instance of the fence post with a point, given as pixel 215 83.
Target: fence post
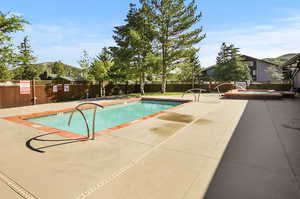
pixel 33 92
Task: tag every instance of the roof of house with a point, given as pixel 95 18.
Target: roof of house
pixel 55 77
pixel 249 57
pixel 292 61
pixel 209 68
pixel 245 56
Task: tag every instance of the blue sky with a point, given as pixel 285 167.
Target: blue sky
pixel 61 30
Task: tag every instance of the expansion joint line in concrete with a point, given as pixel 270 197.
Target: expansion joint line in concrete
pixel 122 171
pixel 284 148
pixel 16 187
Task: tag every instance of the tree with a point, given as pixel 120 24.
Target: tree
pixel 27 70
pixel 275 73
pixel 100 68
pixel 58 68
pixel 85 64
pixel 9 23
pixel 191 69
pixel 230 65
pixel 134 40
pixel 174 22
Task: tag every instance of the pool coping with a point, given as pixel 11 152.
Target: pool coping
pixel 20 119
pixel 235 94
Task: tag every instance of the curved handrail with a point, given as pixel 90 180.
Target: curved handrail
pixel 191 91
pixel 217 87
pixel 86 122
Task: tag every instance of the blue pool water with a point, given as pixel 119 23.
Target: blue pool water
pixel 108 117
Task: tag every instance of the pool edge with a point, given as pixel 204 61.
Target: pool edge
pixel 20 119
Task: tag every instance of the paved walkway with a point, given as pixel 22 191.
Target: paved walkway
pixel 174 155
pixel 262 159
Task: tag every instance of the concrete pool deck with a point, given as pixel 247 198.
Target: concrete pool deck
pixel 174 155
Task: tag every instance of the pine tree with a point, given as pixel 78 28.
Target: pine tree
pixel 9 23
pixel 85 64
pixel 134 44
pixel 191 68
pixel 230 65
pixel 27 70
pixel 174 22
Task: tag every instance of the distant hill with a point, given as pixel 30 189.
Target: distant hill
pixel 281 59
pixel 71 71
pixel 278 60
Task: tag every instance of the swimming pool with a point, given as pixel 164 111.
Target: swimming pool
pixel 106 118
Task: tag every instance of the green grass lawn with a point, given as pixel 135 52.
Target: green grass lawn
pixel 158 94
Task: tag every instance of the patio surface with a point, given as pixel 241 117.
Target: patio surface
pixel 162 157
pixel 262 159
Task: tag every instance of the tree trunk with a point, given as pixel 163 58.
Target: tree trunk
pixel 102 89
pixel 164 70
pixel 193 77
pixel 142 83
pixel 164 83
pixel 126 87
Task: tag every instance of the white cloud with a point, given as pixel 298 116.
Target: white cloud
pixel 259 41
pixel 66 43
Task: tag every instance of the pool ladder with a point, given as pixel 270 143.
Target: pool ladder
pixel 218 87
pixel 85 120
pixel 196 97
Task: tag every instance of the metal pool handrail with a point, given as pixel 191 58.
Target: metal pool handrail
pixel 217 87
pixel 85 120
pixel 197 98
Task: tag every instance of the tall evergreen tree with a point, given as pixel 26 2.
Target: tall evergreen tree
pixel 191 68
pixel 9 23
pixel 174 23
pixel 134 44
pixel 230 65
pixel 85 64
pixel 27 70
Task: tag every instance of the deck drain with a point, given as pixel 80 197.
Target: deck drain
pixel 16 187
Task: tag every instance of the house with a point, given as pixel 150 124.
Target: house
pixel 258 69
pixel 207 73
pixel 293 67
pixel 46 76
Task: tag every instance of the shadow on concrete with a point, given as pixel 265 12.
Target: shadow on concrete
pixel 256 163
pixel 293 124
pixel 61 142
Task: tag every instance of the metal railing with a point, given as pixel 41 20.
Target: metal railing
pixel 85 120
pixel 218 87
pixel 196 97
pixel 237 87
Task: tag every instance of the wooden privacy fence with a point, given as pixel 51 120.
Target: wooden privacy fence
pixel 42 92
